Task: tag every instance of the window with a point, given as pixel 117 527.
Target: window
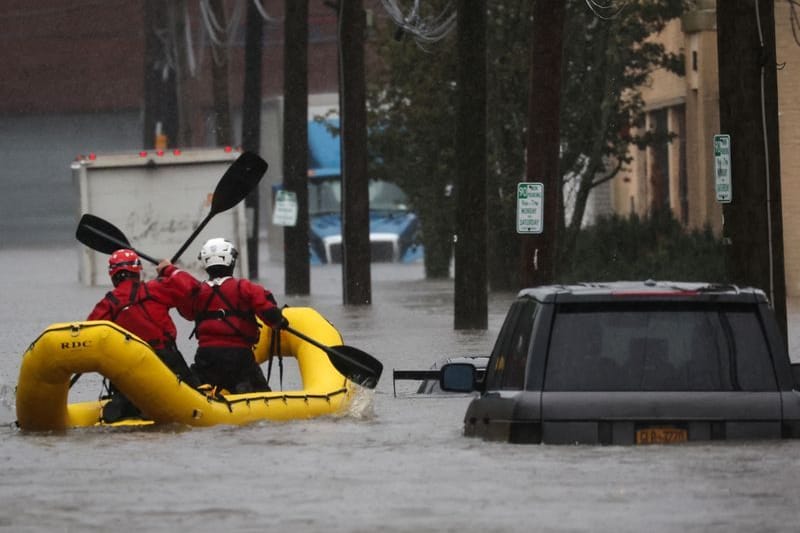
pixel 507 365
pixel 325 196
pixel 754 368
pixel 658 347
pixel 659 170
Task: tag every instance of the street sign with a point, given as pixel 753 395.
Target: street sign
pixel 530 200
pixel 285 213
pixel 722 168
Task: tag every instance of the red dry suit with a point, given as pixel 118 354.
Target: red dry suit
pixel 225 309
pixel 142 307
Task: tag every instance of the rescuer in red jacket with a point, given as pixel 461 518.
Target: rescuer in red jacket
pixel 224 309
pixel 142 307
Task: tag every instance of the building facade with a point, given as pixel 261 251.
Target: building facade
pixel 679 174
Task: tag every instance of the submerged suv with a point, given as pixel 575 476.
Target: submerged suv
pixel 633 362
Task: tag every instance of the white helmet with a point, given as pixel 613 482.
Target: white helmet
pixel 217 251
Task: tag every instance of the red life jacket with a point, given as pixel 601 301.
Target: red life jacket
pixel 224 310
pixel 138 307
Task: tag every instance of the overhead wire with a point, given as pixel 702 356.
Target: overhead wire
pixel 424 29
pixel 607 11
pixel 221 36
pixel 767 177
pixel 263 12
pixel 191 62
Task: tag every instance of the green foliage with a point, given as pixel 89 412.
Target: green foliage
pixel 412 109
pixel 635 248
pixel 413 99
pixel 606 62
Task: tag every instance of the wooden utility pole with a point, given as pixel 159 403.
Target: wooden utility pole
pixel 160 98
pixel 356 282
pixel 537 258
pixel 251 122
pixel 219 81
pixel 748 102
pixel 151 77
pixel 296 274
pixel 471 290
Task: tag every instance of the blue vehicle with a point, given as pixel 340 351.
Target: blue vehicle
pixel 393 227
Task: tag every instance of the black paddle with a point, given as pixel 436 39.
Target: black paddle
pixel 237 182
pixel 105 237
pixel 354 364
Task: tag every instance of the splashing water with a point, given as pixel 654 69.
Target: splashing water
pixel 362 405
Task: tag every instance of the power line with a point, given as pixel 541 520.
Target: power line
pixel 425 29
pixel 608 10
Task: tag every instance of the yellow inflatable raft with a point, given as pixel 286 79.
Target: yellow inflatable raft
pixel 65 349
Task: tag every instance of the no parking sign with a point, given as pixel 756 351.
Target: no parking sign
pixel 530 197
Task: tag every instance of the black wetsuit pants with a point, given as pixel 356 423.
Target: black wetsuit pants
pixel 234 369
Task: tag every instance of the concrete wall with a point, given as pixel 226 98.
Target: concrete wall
pixel 39 202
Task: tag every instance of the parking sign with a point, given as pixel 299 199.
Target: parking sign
pixel 530 197
pixel 722 168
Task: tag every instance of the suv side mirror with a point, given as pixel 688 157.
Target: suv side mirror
pixel 457 377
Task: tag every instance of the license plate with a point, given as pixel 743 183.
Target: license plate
pixel 661 435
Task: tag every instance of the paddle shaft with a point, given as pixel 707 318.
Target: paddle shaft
pixel 238 181
pixel 329 350
pixel 192 237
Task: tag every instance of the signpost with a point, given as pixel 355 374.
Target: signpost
pixel 530 200
pixel 722 168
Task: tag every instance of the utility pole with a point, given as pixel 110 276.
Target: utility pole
pixel 251 123
pixel 160 99
pixel 151 84
pixel 471 279
pixel 537 258
pixel 748 102
pixel 297 276
pixel 356 255
pixel 219 80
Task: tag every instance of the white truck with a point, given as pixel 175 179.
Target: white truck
pixel 157 198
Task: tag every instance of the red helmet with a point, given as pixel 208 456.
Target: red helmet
pixel 126 260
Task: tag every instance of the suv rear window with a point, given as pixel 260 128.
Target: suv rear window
pixel 663 346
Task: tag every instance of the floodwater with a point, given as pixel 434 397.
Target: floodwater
pixel 394 464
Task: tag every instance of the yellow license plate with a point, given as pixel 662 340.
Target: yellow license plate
pixel 661 435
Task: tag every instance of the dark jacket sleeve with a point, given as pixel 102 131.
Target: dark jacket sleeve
pixel 262 302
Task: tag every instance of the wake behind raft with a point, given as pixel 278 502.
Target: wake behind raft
pixel 64 349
